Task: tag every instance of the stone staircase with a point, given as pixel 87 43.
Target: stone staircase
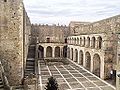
pixel 30 62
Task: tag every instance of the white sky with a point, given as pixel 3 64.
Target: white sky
pixel 64 11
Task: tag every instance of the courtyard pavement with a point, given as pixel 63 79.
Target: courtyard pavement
pixel 71 77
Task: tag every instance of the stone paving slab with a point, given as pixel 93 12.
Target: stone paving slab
pixel 76 85
pixel 88 84
pixel 71 80
pixel 100 83
pixel 71 77
pixel 82 79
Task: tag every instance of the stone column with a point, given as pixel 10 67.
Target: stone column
pixel 53 51
pixel 91 69
pixel 90 43
pixel 44 52
pixel 74 54
pixel 96 42
pixel 84 61
pixel 102 68
pixel 78 57
pixel 61 51
pixel 70 53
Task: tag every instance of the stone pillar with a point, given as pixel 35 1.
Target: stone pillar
pixel 91 69
pixel 74 54
pixel 61 51
pixel 96 43
pixel 53 52
pixel 84 61
pixel 78 57
pixel 44 52
pixel 90 43
pixel 102 68
pixel 70 54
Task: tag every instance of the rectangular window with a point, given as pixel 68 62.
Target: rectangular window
pixel 5 0
pixel 48 40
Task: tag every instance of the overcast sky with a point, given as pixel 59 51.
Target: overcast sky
pixel 64 11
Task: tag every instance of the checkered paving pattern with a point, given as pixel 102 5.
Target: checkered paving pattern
pixel 71 77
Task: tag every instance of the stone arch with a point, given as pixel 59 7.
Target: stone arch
pixel 41 52
pixel 49 51
pixel 57 51
pixel 87 60
pixel 65 51
pixel 76 55
pixel 88 41
pixel 96 65
pixel 93 42
pixel 72 53
pixel 68 52
pixel 99 42
pixel 81 57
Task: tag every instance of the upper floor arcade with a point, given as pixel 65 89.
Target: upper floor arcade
pixel 94 41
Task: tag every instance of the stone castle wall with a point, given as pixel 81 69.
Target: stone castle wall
pixel 12 39
pixel 109 25
pixel 56 34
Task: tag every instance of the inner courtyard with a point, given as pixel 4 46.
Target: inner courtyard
pixel 80 55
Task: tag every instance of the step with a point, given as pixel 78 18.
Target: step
pixel 1 83
pixel 1 86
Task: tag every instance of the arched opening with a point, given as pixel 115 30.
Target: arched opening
pixel 68 52
pixel 83 41
pixel 93 42
pixel 65 40
pixel 65 51
pixel 48 40
pixel 76 55
pixel 81 57
pixel 72 41
pixel 80 41
pixel 96 65
pixel 87 60
pixel 77 41
pixel 40 52
pixel 5 0
pixel 49 51
pixel 99 42
pixel 57 51
pixel 68 40
pixel 72 53
pixel 88 41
